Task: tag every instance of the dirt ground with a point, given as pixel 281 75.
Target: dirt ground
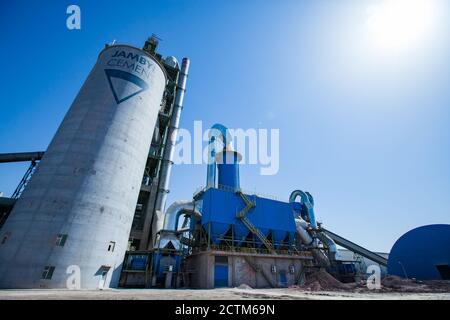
pixel 214 294
pixel 319 285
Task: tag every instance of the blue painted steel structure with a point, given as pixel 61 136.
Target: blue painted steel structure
pixel 273 218
pixel 220 276
pixel 217 131
pixel 307 210
pixel 422 253
pixel 228 166
pixel 160 268
pixel 222 204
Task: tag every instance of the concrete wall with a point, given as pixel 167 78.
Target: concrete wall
pixel 201 271
pixel 87 183
pixel 240 270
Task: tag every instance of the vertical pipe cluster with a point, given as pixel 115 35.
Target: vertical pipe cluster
pixel 171 138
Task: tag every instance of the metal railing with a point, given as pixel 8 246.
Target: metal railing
pixel 231 189
pixel 249 205
pixel 218 247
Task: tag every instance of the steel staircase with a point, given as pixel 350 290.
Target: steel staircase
pixel 249 205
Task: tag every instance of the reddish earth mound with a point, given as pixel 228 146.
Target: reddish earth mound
pixel 322 280
pixel 394 283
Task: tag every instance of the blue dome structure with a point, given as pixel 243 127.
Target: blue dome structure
pixel 422 253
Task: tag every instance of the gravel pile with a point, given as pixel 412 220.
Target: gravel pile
pixel 322 280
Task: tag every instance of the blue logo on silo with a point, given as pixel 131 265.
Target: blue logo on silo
pixel 124 85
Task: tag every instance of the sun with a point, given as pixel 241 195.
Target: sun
pixel 400 24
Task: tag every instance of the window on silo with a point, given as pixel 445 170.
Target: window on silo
pixel 111 246
pixel 48 272
pixel 5 237
pixel 61 240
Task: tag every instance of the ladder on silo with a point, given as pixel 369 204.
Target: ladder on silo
pixel 242 216
pixel 24 182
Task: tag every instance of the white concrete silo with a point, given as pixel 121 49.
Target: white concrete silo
pixel 77 210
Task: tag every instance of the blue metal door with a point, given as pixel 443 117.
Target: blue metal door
pixel 283 279
pixel 220 275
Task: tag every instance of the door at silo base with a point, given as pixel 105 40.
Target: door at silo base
pixel 444 271
pixel 220 272
pixel 283 279
pixel 102 275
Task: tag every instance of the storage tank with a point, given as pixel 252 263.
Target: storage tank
pixel 228 167
pixel 422 253
pixel 77 211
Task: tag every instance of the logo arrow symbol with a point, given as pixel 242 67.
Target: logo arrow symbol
pixel 124 85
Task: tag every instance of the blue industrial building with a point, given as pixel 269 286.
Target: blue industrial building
pixel 228 236
pixel 224 236
pixel 273 218
pixel 422 253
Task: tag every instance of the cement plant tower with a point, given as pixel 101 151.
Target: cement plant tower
pixel 104 176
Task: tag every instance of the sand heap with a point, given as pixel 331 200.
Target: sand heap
pixel 244 286
pixel 322 280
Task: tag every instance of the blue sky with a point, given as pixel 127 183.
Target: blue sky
pixel 365 130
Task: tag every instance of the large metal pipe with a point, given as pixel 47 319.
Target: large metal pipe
pixel 171 217
pixel 217 131
pixel 308 201
pixel 302 229
pixel 305 237
pixel 175 210
pixel 301 226
pixel 329 244
pixel 21 156
pixel 171 138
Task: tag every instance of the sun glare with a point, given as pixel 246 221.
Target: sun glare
pixel 400 24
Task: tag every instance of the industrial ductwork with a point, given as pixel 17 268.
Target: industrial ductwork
pixel 308 232
pixel 168 228
pixel 329 244
pixel 167 161
pixel 307 201
pixel 174 212
pixel 302 226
